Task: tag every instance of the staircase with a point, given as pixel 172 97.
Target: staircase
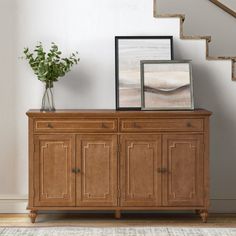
pixel 199 37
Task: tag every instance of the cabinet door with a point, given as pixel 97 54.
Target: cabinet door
pixel 54 160
pixel 183 178
pixel 96 183
pixel 140 180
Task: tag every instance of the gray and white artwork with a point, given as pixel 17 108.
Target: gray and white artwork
pixel 130 53
pixel 166 85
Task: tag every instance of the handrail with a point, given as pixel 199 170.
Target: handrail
pixel 224 7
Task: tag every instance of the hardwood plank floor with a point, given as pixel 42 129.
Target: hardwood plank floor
pixel 107 220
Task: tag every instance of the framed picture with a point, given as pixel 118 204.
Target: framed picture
pixel 166 85
pixel 129 51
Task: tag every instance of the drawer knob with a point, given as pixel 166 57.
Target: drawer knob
pixel 50 125
pixel 189 124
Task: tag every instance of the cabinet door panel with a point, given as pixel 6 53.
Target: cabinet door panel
pixel 54 181
pixel 140 159
pixel 183 181
pixel 97 181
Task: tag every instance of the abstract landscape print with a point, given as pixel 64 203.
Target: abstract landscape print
pixel 166 85
pixel 129 52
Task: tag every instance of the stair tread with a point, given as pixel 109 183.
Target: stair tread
pixel 196 37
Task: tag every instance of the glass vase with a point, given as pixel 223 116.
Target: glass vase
pixel 47 100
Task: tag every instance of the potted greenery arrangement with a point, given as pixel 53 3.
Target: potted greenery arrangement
pixel 49 67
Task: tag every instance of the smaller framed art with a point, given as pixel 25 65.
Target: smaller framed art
pixel 166 85
pixel 129 51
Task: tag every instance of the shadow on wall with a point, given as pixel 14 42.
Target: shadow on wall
pixel 208 94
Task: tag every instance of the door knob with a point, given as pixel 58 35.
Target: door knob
pixel 76 170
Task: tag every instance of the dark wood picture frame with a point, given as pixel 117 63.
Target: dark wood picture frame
pixel 117 57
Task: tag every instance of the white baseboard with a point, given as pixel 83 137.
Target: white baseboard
pixel 13 204
pixel 18 204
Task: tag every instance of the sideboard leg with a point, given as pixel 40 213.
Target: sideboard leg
pixel 117 214
pixel 33 215
pixel 204 215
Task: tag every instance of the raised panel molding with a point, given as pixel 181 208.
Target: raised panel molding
pixel 189 145
pixel 97 182
pixel 54 161
pixel 63 155
pixel 107 156
pixel 141 146
pixel 140 159
pixel 183 155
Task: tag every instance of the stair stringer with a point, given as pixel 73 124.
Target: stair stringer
pixel 195 37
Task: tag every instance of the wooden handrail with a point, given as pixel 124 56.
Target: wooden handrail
pixel 224 7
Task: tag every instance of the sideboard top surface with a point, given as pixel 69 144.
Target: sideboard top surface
pixel 114 113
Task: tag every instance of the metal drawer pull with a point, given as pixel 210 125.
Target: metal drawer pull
pixel 50 125
pixel 189 124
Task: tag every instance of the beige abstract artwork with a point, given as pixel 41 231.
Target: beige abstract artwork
pixel 167 86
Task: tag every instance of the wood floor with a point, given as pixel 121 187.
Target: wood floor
pixel 107 220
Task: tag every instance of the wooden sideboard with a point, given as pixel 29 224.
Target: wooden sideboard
pixel 118 160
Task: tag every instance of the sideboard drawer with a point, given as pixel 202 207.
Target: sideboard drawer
pixel 75 125
pixel 153 125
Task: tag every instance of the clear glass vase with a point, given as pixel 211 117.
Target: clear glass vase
pixel 47 100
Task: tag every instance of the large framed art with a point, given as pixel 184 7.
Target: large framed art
pixel 166 85
pixel 129 51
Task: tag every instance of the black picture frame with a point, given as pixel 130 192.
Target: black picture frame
pixel 119 39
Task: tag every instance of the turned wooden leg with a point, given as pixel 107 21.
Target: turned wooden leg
pixel 33 215
pixel 117 214
pixel 204 215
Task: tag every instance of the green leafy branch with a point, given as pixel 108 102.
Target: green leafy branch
pixel 49 66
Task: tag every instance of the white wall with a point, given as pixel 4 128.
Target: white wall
pixel 7 98
pixel 89 27
pixel 205 18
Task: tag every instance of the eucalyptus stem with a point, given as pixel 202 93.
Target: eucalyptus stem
pixel 52 98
